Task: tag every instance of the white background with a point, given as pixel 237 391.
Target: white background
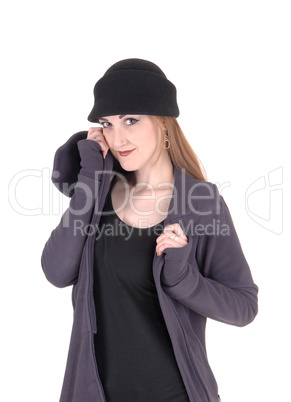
pixel 230 62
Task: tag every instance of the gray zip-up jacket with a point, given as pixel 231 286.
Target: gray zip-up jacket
pixel 209 277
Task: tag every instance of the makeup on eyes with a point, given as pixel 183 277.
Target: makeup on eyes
pixel 125 119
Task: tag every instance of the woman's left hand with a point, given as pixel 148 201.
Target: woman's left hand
pixel 167 238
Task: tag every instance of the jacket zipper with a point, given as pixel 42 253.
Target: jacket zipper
pixel 189 355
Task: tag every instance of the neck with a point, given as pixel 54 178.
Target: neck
pixel 151 177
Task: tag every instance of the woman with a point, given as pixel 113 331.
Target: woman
pixel 149 246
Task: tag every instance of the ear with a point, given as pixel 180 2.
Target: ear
pixel 164 125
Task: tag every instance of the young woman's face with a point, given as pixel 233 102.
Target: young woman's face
pixel 131 132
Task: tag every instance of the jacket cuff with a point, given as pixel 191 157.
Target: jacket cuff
pixel 175 267
pixel 92 160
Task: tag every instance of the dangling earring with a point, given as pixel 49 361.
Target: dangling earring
pixel 166 140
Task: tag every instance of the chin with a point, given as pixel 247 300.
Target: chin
pixel 128 165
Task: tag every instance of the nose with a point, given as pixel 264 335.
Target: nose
pixel 119 138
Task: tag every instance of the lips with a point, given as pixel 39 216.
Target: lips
pixel 126 153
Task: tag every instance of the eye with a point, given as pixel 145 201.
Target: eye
pixel 105 122
pixel 131 119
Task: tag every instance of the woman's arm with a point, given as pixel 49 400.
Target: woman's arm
pixel 217 282
pixel 62 252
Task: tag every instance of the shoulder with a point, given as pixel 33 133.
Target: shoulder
pixel 201 197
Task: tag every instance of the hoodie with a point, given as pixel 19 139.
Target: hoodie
pixel 207 278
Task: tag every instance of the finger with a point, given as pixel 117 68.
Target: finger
pixel 94 131
pixel 178 240
pixel 169 243
pixel 164 236
pixel 95 134
pixel 96 137
pixel 174 228
pixel 168 231
pixel 160 247
pixel 99 137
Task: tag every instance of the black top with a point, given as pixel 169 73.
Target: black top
pixel 134 353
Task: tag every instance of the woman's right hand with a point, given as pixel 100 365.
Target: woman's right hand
pixel 96 134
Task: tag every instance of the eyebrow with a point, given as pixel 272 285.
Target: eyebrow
pixel 122 115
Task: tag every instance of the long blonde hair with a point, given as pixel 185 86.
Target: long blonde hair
pixel 181 153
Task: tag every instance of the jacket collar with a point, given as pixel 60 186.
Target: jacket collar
pixel 67 167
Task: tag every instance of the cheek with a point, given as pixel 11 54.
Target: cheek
pixel 108 140
pixel 149 143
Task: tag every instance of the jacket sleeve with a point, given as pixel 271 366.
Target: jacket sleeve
pixel 61 256
pixel 220 286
